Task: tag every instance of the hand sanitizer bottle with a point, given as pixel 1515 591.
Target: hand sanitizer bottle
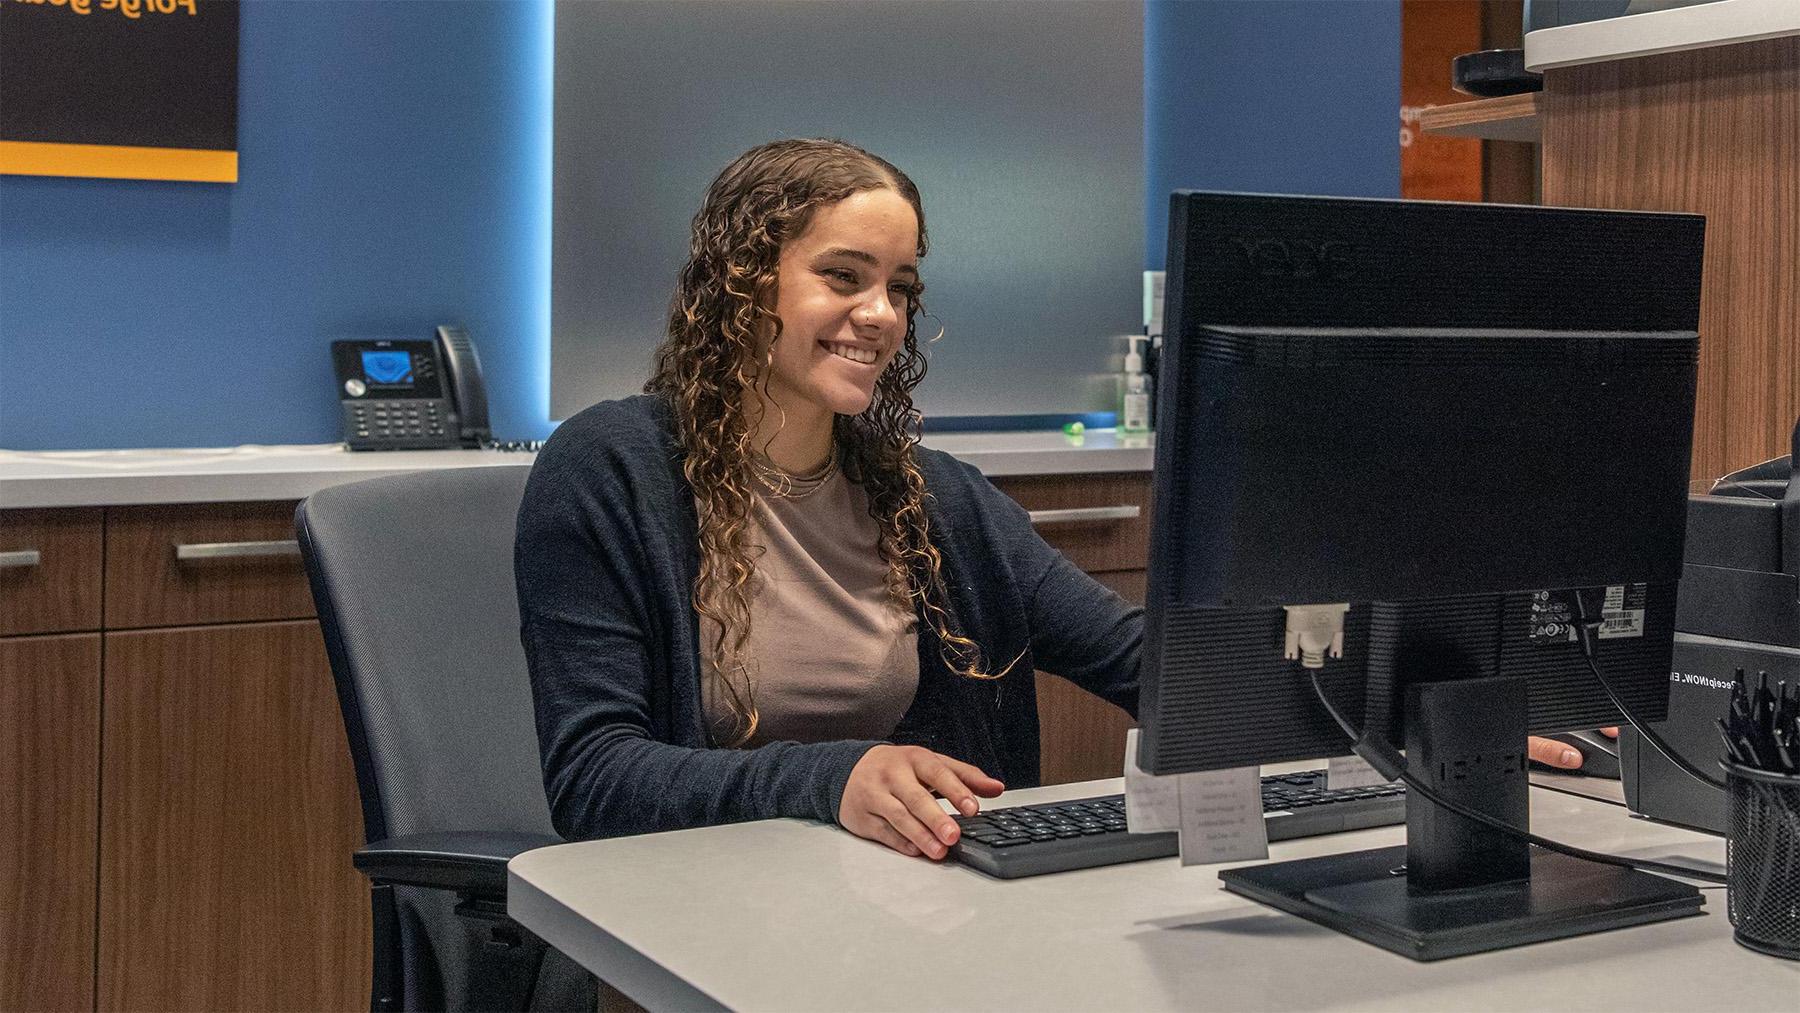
pixel 1134 406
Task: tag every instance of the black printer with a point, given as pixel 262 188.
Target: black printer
pixel 1738 607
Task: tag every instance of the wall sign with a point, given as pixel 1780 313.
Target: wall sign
pixel 126 89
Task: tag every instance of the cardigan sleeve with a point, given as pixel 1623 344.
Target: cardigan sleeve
pixel 1083 631
pixel 1080 628
pixel 589 624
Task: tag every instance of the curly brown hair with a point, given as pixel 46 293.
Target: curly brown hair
pixel 707 370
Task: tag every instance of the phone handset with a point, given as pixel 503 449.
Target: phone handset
pixel 468 394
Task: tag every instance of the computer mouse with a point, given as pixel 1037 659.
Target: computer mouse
pixel 1599 754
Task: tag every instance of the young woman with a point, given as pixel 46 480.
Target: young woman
pixel 748 592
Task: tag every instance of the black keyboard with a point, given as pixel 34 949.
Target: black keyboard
pixel 1031 840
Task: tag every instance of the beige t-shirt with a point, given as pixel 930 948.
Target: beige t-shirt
pixel 830 656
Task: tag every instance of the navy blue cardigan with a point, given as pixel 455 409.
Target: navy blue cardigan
pixel 605 560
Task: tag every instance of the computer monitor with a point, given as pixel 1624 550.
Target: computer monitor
pixel 1471 424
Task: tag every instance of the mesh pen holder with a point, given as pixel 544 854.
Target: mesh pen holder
pixel 1763 860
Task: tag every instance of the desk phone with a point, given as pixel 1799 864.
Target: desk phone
pixel 406 394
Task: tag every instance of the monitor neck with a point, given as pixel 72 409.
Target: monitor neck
pixel 1465 739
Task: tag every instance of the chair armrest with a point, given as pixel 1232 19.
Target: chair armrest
pixel 466 861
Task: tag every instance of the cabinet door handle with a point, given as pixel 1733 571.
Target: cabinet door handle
pixel 20 558
pixel 237 550
pixel 1105 513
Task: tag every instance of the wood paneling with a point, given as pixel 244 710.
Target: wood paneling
pixel 1509 116
pixel 1082 737
pixel 147 586
pixel 1508 168
pixel 49 779
pixel 1714 131
pixel 229 817
pixel 1502 24
pixel 1509 172
pixel 1505 171
pixel 1432 33
pixel 1095 546
pixel 62 592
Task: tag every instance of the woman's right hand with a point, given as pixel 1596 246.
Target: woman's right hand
pixel 888 798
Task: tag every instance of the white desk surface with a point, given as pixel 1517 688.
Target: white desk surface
pixel 794 915
pixel 232 474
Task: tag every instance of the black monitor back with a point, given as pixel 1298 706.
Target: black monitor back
pixel 1449 415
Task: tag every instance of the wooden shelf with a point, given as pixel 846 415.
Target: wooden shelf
pixel 1507 118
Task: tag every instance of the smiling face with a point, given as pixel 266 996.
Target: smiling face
pixel 842 293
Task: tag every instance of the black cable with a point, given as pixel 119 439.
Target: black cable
pixel 1413 785
pixel 1763 488
pixel 1585 632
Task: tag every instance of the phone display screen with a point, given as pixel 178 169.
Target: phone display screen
pixel 386 368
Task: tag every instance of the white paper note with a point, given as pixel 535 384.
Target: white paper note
pixel 1222 817
pixel 1351 772
pixel 1152 803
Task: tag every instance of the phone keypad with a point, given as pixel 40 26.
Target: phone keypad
pixel 396 419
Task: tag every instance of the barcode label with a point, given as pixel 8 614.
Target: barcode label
pixel 1626 623
pixel 1622 615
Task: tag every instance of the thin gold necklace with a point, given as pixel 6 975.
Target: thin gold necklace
pixel 784 485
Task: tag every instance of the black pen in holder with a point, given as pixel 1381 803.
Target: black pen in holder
pixel 1763 858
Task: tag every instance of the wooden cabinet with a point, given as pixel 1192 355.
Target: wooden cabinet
pixel 191 850
pixel 181 803
pixel 49 788
pixel 1102 523
pixel 49 571
pixel 203 563
pixel 228 820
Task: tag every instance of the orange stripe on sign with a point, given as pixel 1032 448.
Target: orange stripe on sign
pixel 36 158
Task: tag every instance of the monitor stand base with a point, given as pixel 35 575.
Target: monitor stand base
pixel 1365 894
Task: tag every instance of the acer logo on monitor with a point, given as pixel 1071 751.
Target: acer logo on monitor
pixel 1298 259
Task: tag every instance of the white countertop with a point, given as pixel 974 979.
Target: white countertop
pixel 228 474
pixel 793 915
pixel 1722 23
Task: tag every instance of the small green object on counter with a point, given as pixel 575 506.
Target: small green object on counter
pixel 1074 428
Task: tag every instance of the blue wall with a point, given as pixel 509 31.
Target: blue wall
pixel 395 175
pixel 1269 96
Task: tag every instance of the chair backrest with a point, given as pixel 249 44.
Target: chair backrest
pixel 413 578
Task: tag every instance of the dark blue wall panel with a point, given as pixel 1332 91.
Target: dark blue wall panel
pixel 1269 96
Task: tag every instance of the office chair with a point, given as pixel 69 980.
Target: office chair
pixel 413 578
